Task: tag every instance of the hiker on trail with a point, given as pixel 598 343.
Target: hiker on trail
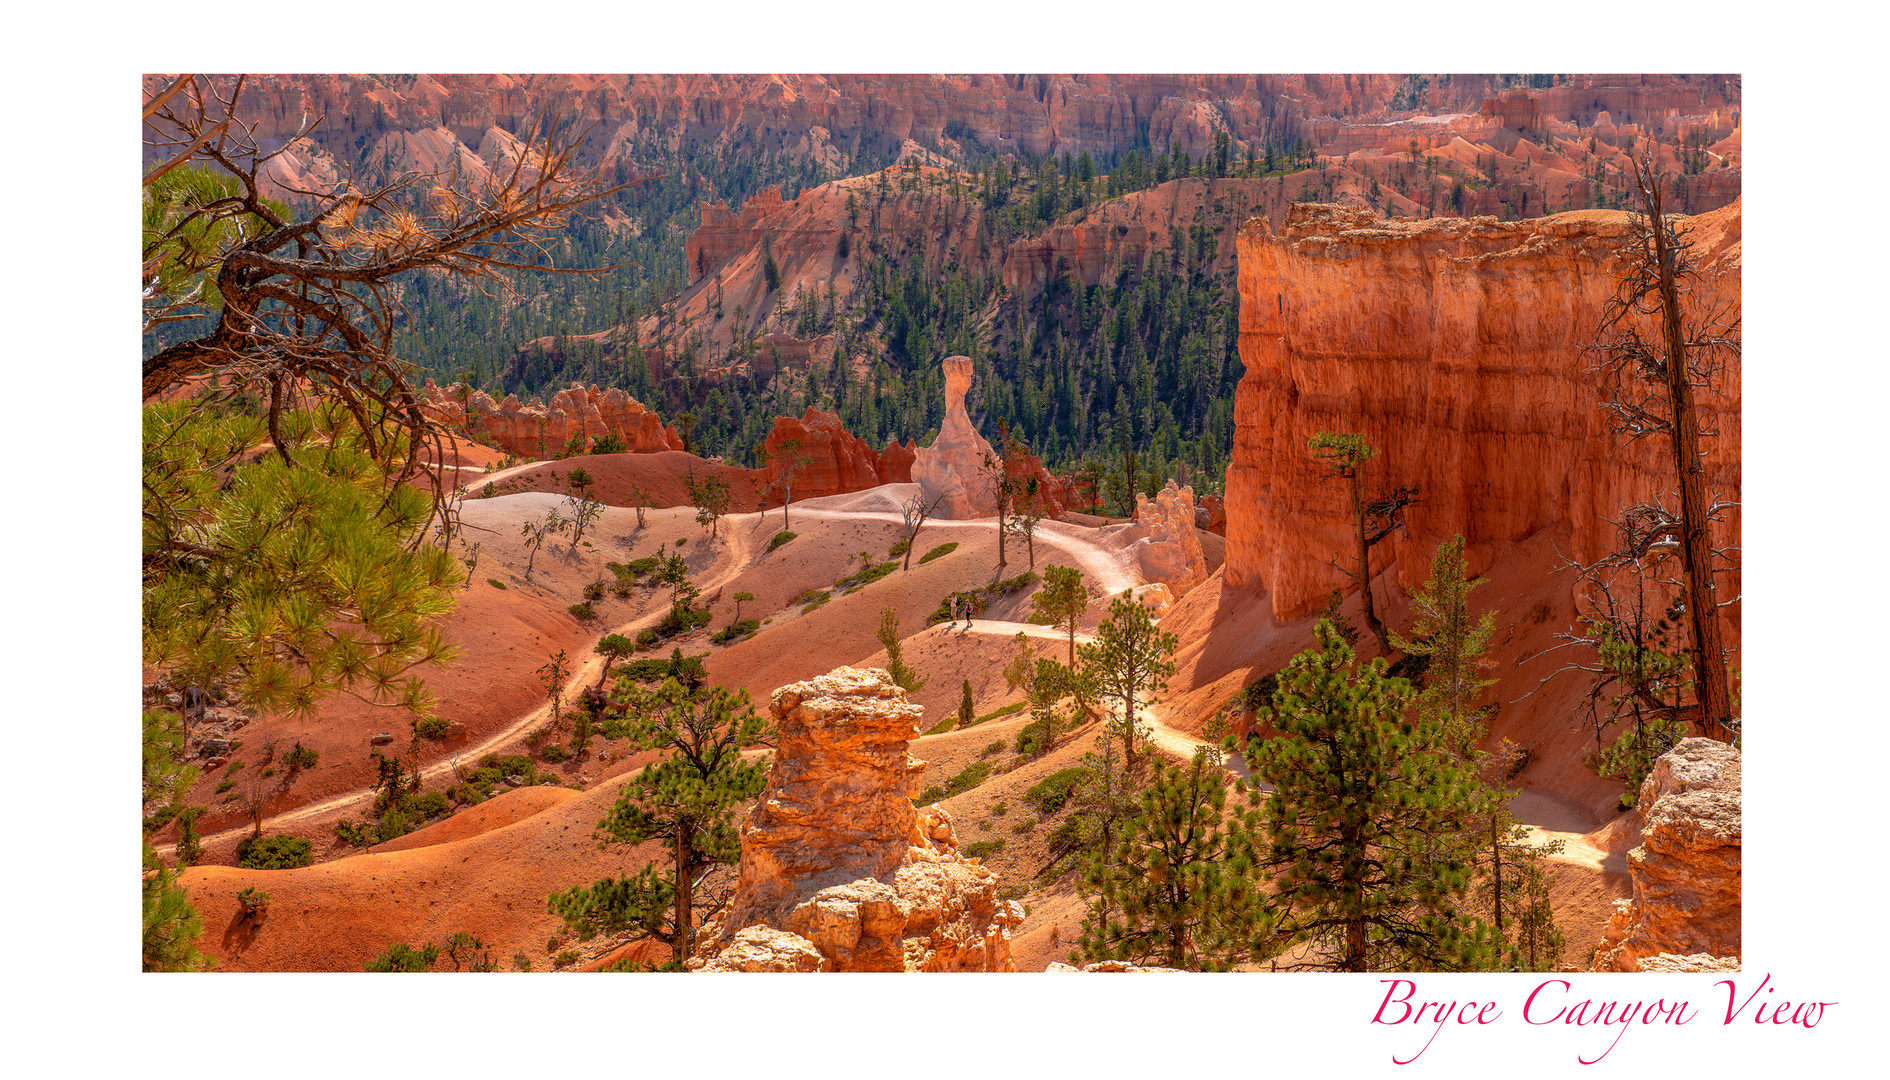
pixel 954 607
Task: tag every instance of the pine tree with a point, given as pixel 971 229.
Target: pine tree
pixel 1061 601
pixel 967 709
pixel 1130 656
pixel 687 799
pixel 1364 802
pixel 1181 879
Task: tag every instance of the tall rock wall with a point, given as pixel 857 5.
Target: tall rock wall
pixel 1455 347
pixel 1685 911
pixel 839 872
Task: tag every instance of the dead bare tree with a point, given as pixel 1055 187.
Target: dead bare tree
pixel 1651 381
pixel 311 307
pixel 915 510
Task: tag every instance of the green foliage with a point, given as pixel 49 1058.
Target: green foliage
pixel 929 796
pixel 983 849
pixel 646 638
pixel 1061 602
pixel 687 799
pixel 286 583
pixel 899 548
pixel 938 552
pixel 495 583
pixel 780 538
pixel 583 612
pixel 856 581
pixel 436 728
pixel 735 631
pixel 970 777
pixel 1047 796
pixel 888 633
pixel 1013 584
pixel 302 757
pixel 1443 631
pixel 189 245
pixel 1179 887
pixel 1361 825
pixel 1129 657
pixel 594 591
pixel 401 957
pixel 253 902
pixel 967 710
pixel 281 852
pixel 687 670
pixel 171 925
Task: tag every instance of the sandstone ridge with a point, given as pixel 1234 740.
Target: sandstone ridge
pixel 839 872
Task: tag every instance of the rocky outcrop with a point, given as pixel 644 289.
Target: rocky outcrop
pixel 533 429
pixel 1454 347
pixel 953 471
pixel 1109 966
pixel 830 460
pixel 1170 552
pixel 839 872
pixel 1686 871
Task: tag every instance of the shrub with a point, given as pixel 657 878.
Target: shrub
pixel 432 727
pixel 555 753
pixel 942 726
pixel 254 903
pixel 401 957
pixel 973 775
pixel 268 771
pixel 813 598
pixel 595 590
pixel 1031 738
pixel 929 796
pixel 565 959
pixel 939 552
pixel 1003 711
pixel 1014 584
pixel 899 549
pixel 302 757
pixel 983 849
pixel 488 491
pixel 354 835
pixel 681 542
pixel 225 786
pixel 735 630
pixel 584 612
pixel 646 639
pixel 521 962
pixel 779 539
pixel 1024 826
pixel 854 582
pixel 495 583
pixel 996 747
pixel 1000 809
pixel 609 443
pixel 280 852
pixel 1048 795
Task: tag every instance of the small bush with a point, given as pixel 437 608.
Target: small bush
pixel 521 962
pixel 1031 738
pixel 929 796
pixel 488 491
pixel 555 753
pixel 682 541
pixel 899 549
pixel 813 598
pixel 279 852
pixel 565 959
pixel 1024 826
pixel 996 747
pixel 1004 711
pixel 735 630
pixel 401 957
pixel 942 726
pixel 225 786
pixel 983 849
pixel 973 775
pixel 354 835
pixel 855 582
pixel 432 727
pixel 595 590
pixel 1048 795
pixel 938 552
pixel 254 903
pixel 1000 809
pixel 646 639
pixel 302 757
pixel 1014 584
pixel 779 539
pixel 584 612
pixel 495 583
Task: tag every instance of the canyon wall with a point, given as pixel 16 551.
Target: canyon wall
pixel 1454 347
pixel 839 871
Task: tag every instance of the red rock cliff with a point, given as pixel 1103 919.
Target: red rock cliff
pixel 1453 346
pixel 836 461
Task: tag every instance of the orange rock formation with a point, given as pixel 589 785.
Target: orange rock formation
pixel 1455 348
pixel 1685 912
pixel 837 462
pixel 534 429
pixel 952 469
pixel 839 872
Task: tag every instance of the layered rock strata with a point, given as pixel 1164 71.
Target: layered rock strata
pixel 1455 348
pixel 828 460
pixel 535 429
pixel 839 872
pixel 1685 911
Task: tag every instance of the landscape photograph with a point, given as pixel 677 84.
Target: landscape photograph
pixel 591 523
